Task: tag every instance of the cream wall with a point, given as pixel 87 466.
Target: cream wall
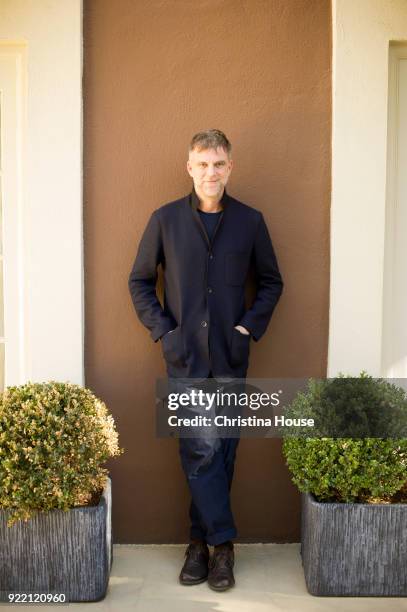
pixel 361 34
pixel 51 187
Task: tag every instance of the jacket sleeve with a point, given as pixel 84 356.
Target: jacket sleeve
pixel 143 278
pixel 269 283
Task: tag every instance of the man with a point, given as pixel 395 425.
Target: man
pixel 206 243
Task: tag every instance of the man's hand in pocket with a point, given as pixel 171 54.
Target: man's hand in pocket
pixel 242 330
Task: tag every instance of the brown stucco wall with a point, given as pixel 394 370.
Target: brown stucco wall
pixel 155 72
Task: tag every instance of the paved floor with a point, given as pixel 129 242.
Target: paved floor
pixel 269 577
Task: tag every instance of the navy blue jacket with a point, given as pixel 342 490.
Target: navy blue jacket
pixel 204 286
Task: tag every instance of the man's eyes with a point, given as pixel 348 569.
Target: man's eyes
pixel 218 164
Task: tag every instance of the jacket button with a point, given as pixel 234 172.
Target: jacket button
pixel 211 256
pixel 204 324
pixel 210 289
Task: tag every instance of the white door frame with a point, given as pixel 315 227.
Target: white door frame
pixel 13 117
pixel 50 256
pixel 394 340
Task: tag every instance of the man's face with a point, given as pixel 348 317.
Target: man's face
pixel 210 170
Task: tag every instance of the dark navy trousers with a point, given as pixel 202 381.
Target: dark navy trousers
pixel 208 464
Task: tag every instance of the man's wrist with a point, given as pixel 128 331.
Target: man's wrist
pixel 242 330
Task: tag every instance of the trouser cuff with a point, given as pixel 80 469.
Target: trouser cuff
pixel 223 536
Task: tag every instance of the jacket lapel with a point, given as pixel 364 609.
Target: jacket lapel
pixel 193 202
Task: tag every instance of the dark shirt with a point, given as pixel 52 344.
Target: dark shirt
pixel 210 221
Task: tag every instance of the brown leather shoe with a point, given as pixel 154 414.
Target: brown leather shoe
pixel 195 568
pixel 221 564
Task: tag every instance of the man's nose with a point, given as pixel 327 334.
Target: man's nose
pixel 211 170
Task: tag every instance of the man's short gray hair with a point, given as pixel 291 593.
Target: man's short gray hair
pixel 210 139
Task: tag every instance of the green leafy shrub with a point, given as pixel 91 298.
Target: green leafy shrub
pixel 53 439
pixel 350 469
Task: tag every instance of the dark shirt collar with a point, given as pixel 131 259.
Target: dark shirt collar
pixel 195 201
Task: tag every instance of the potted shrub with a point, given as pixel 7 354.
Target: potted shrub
pixel 354 487
pixel 55 496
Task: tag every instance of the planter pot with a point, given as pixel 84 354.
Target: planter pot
pixel 59 552
pixel 354 549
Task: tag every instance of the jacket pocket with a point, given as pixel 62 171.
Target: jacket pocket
pixel 239 348
pixel 173 347
pixel 236 267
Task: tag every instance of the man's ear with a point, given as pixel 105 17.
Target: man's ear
pixel 189 168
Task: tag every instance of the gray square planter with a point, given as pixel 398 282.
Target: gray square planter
pixel 354 549
pixel 61 552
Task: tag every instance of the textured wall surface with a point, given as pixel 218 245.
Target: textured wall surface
pixel 156 72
